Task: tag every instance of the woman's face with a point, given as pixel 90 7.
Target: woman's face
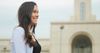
pixel 35 15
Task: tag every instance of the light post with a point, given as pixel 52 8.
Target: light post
pixel 61 32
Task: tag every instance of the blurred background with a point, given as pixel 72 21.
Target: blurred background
pixel 49 11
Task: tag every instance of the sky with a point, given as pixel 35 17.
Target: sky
pixel 49 10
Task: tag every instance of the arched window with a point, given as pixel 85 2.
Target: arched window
pixel 81 44
pixel 82 10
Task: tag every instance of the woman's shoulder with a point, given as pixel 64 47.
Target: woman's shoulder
pixel 18 33
pixel 18 28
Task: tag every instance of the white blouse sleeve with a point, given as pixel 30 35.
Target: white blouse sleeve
pixel 18 39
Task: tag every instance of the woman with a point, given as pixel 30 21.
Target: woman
pixel 23 39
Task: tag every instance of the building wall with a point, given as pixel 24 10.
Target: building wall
pixel 4 46
pixel 62 38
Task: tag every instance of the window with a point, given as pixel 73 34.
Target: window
pixel 82 10
pixel 81 44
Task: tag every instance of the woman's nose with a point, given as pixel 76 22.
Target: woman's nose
pixel 37 15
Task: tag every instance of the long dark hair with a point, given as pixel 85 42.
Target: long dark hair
pixel 24 18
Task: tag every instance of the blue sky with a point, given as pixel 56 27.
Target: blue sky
pixel 49 10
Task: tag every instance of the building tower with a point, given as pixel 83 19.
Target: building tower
pixel 83 11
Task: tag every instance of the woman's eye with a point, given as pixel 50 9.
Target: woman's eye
pixel 35 11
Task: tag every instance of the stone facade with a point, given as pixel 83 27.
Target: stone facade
pixel 62 38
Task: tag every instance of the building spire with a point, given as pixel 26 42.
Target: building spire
pixel 83 11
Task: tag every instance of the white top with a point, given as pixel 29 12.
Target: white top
pixel 18 43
